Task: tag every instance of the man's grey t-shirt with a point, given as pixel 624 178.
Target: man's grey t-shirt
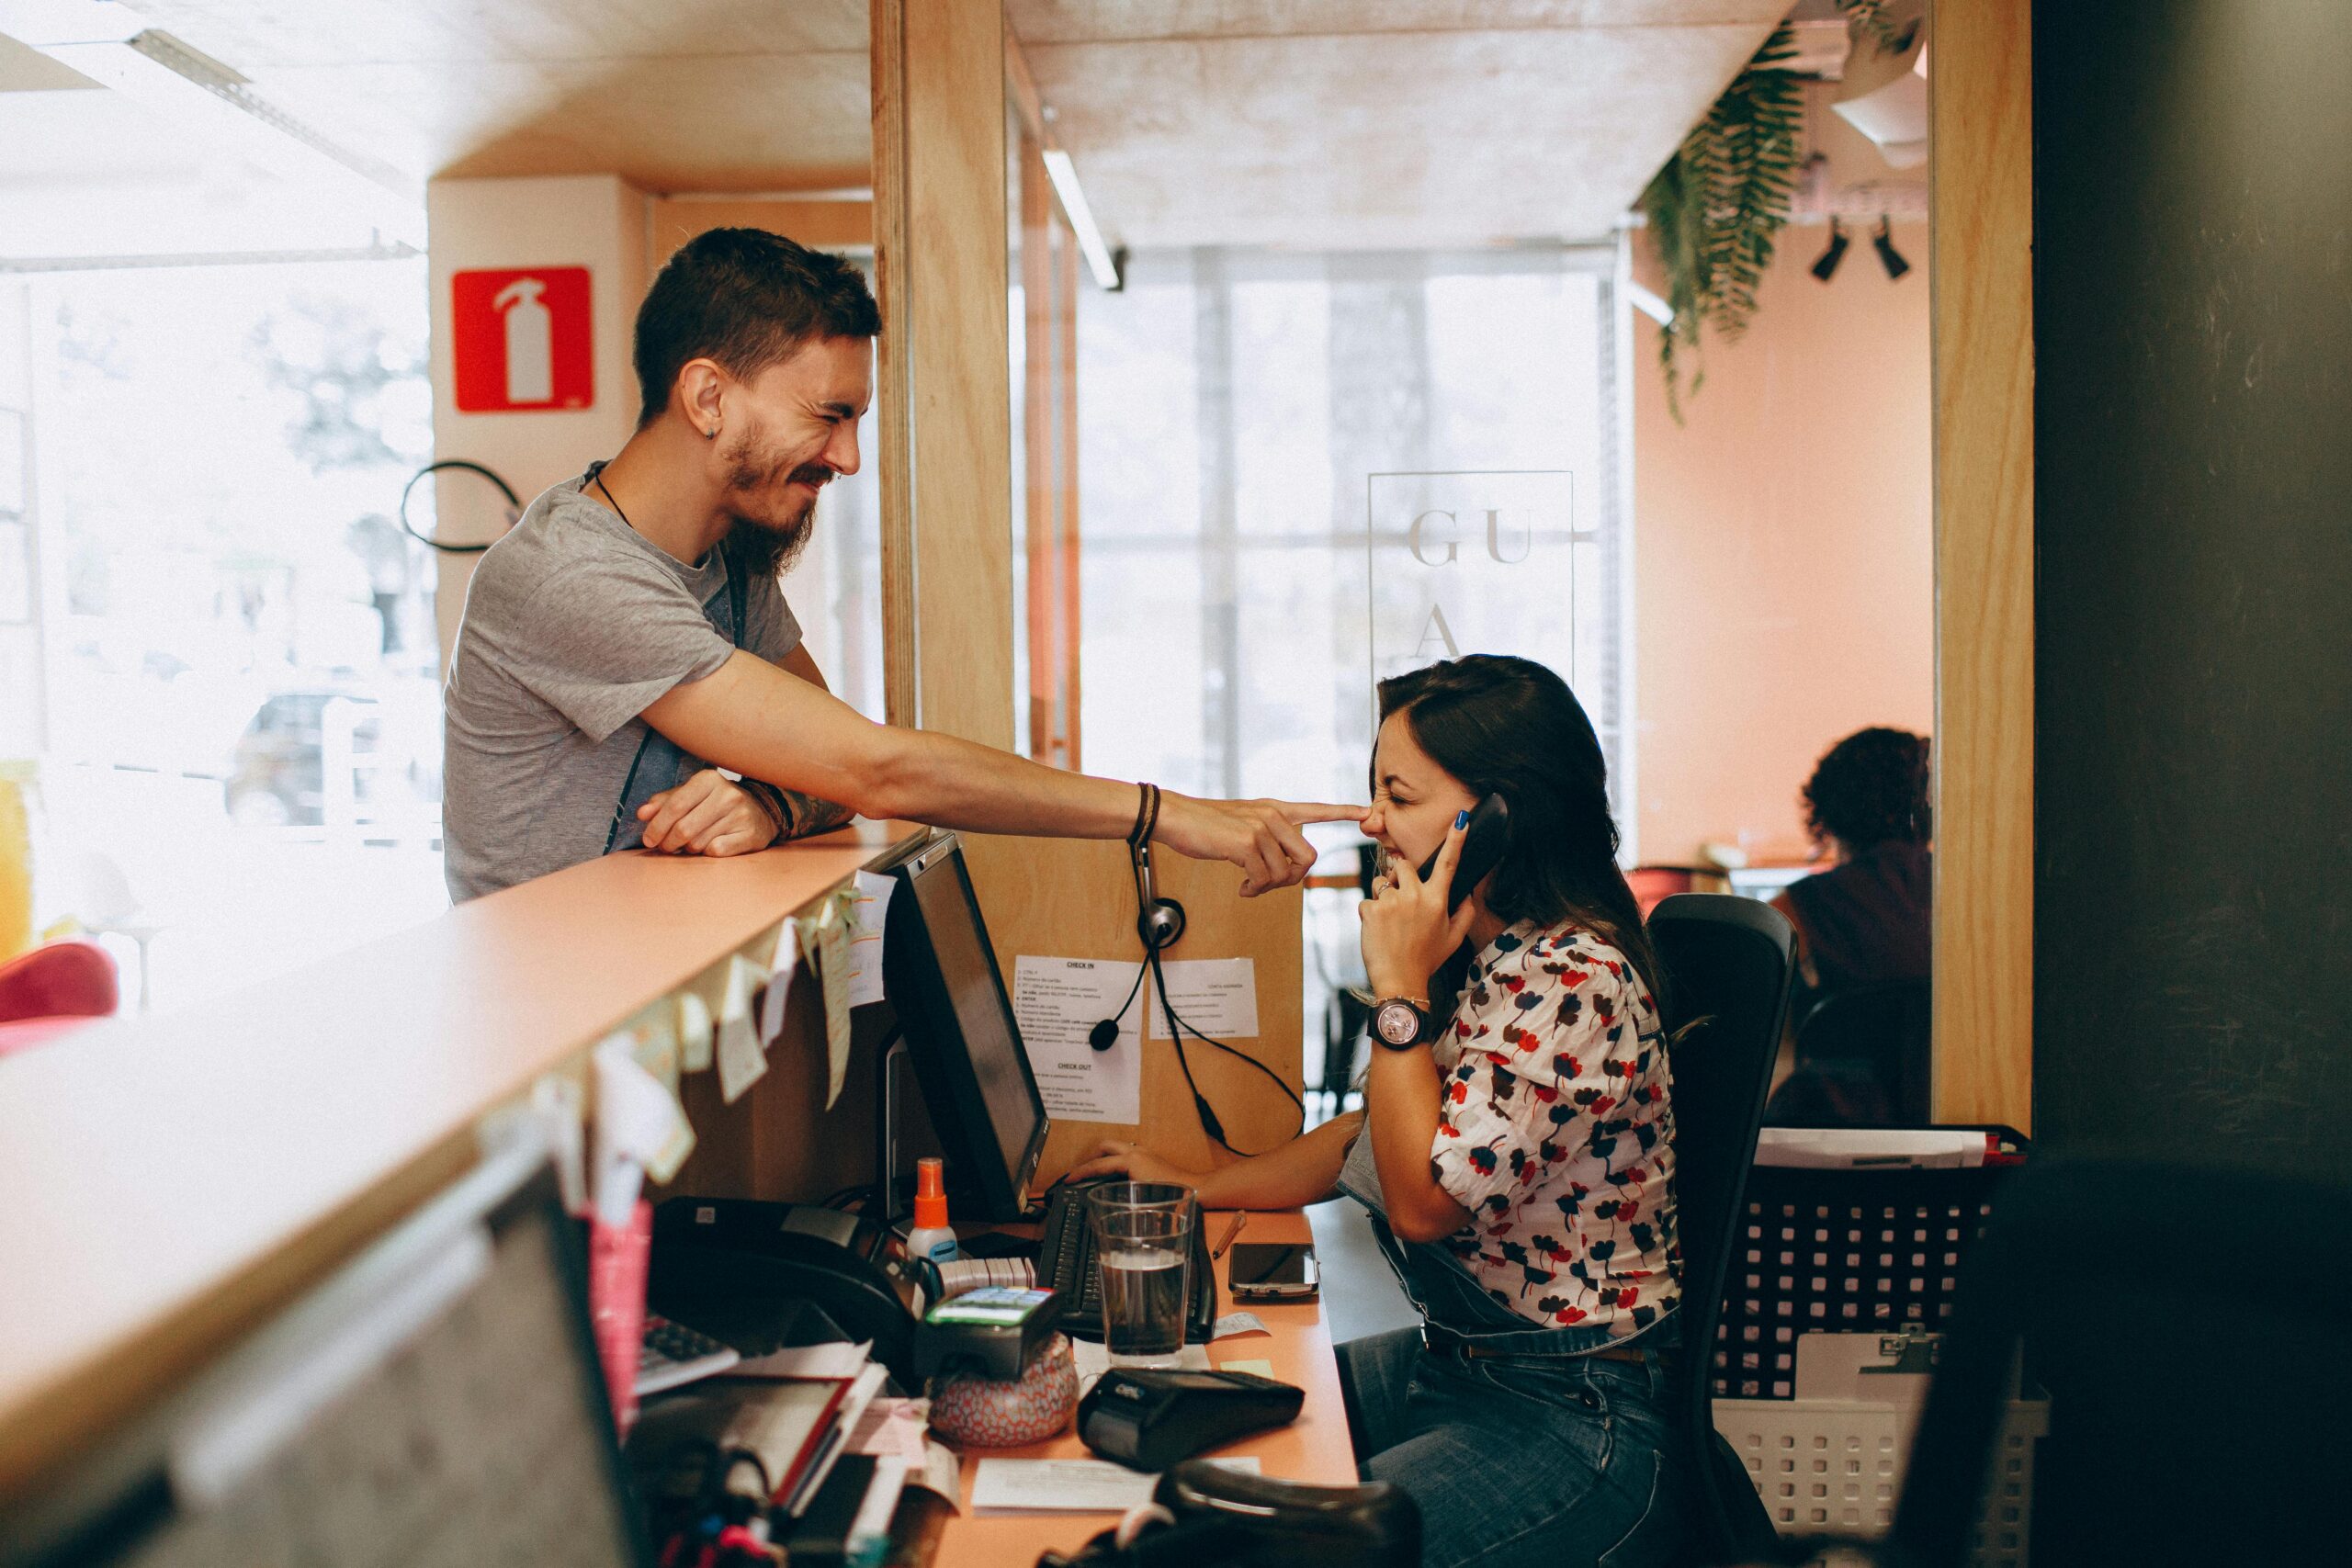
pixel 575 624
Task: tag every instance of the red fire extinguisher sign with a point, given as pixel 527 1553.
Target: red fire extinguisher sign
pixel 522 338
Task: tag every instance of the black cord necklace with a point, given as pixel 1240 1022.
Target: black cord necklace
pixel 597 476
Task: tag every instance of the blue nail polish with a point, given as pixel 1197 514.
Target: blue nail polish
pixel 1461 819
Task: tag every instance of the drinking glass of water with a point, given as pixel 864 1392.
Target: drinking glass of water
pixel 1142 1239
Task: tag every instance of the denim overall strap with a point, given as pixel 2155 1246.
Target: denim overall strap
pixel 1453 1302
pixel 659 763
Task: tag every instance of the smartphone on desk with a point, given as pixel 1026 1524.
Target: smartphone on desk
pixel 1274 1271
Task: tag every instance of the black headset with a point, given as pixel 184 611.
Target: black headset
pixel 1159 922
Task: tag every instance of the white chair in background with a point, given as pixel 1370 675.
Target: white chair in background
pixel 106 906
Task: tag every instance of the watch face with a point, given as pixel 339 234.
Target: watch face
pixel 1397 1024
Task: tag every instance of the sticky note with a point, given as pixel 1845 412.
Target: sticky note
pixel 694 1030
pixel 781 969
pixel 825 935
pixel 742 1059
pixel 869 911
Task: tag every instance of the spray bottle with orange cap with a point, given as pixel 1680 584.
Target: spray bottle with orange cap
pixel 930 1241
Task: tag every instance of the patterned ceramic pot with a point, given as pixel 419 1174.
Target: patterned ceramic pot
pixel 977 1412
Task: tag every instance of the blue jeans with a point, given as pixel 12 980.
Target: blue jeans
pixel 1535 1460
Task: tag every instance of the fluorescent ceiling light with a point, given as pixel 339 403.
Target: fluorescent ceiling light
pixel 1648 303
pixel 1081 218
pixel 112 45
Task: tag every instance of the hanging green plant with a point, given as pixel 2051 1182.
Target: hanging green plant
pixel 1714 210
pixel 1892 23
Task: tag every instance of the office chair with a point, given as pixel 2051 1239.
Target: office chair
pixel 2193 1329
pixel 1727 963
pixel 1861 1060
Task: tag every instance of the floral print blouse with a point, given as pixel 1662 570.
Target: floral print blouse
pixel 1556 1129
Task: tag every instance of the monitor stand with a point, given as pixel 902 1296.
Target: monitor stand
pixel 893 1087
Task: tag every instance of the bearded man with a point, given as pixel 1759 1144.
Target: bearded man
pixel 628 640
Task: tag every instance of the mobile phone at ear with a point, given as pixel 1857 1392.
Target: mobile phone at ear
pixel 1482 843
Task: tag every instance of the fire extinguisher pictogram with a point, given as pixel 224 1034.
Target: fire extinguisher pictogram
pixel 531 342
pixel 522 339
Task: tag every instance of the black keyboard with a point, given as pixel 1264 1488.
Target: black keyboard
pixel 1065 1263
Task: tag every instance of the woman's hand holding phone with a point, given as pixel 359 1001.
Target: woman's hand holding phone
pixel 1409 932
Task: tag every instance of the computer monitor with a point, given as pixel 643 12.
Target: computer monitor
pixel 436 1401
pixel 941 973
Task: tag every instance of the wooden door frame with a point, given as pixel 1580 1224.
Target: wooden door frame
pixel 1981 238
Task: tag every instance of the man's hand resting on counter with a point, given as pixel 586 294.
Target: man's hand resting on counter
pixel 707 814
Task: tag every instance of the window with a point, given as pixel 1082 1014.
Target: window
pixel 239 718
pixel 1235 408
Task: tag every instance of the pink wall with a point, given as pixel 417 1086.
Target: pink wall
pixel 1783 567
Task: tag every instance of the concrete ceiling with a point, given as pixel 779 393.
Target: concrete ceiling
pixel 1410 123
pixel 1371 123
pixel 679 94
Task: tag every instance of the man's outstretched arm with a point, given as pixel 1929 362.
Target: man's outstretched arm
pixel 768 724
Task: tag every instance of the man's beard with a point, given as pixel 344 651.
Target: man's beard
pixel 767 548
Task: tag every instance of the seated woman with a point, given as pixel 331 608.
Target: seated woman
pixel 1861 927
pixel 1516 1150
pixel 1865 921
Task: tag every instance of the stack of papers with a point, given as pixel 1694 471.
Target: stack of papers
pixel 1068 1485
pixel 795 1409
pixel 1851 1148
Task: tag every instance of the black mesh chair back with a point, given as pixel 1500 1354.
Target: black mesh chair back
pixel 1726 963
pixel 1870 1041
pixel 2193 1330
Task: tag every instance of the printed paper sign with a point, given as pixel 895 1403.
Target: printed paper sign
pixel 869 911
pixel 1057 1002
pixel 1218 997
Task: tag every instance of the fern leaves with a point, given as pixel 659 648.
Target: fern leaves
pixel 1717 207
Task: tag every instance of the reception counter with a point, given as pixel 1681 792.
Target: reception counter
pixel 172 1182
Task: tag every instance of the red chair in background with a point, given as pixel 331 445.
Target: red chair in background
pixel 1651 883
pixel 52 989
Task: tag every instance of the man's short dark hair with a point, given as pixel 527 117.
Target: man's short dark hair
pixel 747 300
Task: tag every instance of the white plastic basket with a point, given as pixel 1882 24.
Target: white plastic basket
pixel 1836 1466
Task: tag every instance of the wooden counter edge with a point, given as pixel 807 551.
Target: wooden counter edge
pixel 63 1418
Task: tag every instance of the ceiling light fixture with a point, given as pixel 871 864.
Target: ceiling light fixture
pixel 114 47
pixel 1648 303
pixel 1830 257
pixel 1099 260
pixel 1889 257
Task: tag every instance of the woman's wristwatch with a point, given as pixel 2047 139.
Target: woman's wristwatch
pixel 1401 1022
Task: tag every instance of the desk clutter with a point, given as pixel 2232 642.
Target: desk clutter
pixel 820 1426
pixel 786 1378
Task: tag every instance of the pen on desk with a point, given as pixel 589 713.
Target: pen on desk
pixel 1230 1232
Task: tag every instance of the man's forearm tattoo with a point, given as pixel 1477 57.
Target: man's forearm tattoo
pixel 803 815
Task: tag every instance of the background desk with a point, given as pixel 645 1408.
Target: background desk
pixel 1313 1448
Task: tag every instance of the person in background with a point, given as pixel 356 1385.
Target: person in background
pixel 1516 1146
pixel 1865 921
